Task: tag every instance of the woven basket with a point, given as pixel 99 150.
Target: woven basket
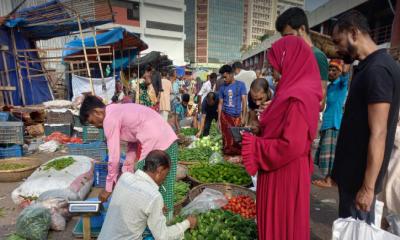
pixel 16 175
pixel 229 190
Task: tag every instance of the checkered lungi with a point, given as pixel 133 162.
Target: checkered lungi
pixel 325 154
pixel 168 193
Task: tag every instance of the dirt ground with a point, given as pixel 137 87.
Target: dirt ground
pixel 323 207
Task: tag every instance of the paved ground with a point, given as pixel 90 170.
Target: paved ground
pixel 323 211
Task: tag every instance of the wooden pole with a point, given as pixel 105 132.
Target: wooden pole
pixel 103 83
pixel 20 79
pixel 86 227
pixel 86 57
pixel 7 76
pixel 29 76
pixel 46 76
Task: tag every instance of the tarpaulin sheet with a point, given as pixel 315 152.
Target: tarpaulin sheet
pixel 50 11
pixel 82 84
pixel 38 90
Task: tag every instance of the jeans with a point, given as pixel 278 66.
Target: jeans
pixel 347 207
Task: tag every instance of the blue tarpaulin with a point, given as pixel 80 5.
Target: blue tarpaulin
pixel 41 14
pixel 38 90
pixel 113 36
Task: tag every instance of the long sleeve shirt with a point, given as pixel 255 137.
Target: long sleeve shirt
pixel 135 204
pixel 135 124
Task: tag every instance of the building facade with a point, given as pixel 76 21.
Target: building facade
pixel 215 29
pixel 160 23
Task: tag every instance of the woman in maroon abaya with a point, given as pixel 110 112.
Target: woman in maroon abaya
pixel 281 154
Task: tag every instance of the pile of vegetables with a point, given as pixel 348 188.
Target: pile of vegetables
pixel 214 144
pixel 12 166
pixel 59 164
pixel 62 138
pixel 180 191
pixel 220 173
pixel 222 225
pixel 188 131
pixel 199 154
pixel 243 205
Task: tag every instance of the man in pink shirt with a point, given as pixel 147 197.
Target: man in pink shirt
pixel 144 130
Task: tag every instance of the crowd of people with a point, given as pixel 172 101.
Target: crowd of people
pixel 280 108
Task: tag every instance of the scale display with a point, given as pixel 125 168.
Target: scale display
pixel 84 206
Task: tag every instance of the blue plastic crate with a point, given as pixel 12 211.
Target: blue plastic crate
pixel 11 151
pixel 4 116
pixel 96 150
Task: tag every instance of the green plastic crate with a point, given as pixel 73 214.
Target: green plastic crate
pixel 91 134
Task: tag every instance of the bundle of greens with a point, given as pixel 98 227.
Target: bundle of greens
pixel 59 164
pixel 197 154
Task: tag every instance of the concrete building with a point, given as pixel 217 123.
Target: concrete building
pixel 261 18
pixel 160 23
pixel 380 17
pixel 283 5
pixel 214 31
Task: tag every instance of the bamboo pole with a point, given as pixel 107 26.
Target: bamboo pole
pixel 20 79
pixel 103 83
pixel 7 76
pixel 86 58
pixel 29 77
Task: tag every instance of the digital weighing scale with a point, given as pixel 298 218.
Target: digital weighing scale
pixel 86 209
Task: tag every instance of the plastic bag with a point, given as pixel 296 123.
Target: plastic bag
pixel 34 222
pixel 394 222
pixel 216 158
pixel 209 199
pixel 50 146
pixel 350 229
pixel 74 181
pixel 58 222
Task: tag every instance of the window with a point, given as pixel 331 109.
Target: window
pixel 133 12
pixel 164 26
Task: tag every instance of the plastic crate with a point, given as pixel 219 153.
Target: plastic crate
pixel 100 174
pixel 63 128
pixel 11 151
pixel 12 133
pixel 4 116
pixel 77 121
pixel 59 117
pixel 96 150
pixel 91 134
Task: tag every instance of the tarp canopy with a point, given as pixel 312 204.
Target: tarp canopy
pixel 126 45
pixel 37 90
pixel 55 19
pixel 153 58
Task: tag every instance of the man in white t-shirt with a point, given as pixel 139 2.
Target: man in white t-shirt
pixel 242 75
pixel 207 87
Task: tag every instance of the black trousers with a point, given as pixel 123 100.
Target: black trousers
pixel 207 124
pixel 347 207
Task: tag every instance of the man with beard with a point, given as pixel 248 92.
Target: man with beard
pixel 368 126
pixel 294 22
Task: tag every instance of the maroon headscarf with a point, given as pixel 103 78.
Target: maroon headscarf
pixel 300 79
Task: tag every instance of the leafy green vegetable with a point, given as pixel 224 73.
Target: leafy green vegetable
pixel 59 164
pixel 220 173
pixel 12 166
pixel 15 237
pixel 199 154
pixel 189 131
pixel 222 225
pixel 180 191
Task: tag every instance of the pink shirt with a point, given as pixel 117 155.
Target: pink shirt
pixel 134 124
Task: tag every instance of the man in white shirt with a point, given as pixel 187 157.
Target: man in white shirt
pixel 242 75
pixel 207 87
pixel 137 203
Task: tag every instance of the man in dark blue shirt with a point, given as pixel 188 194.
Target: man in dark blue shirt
pixel 209 112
